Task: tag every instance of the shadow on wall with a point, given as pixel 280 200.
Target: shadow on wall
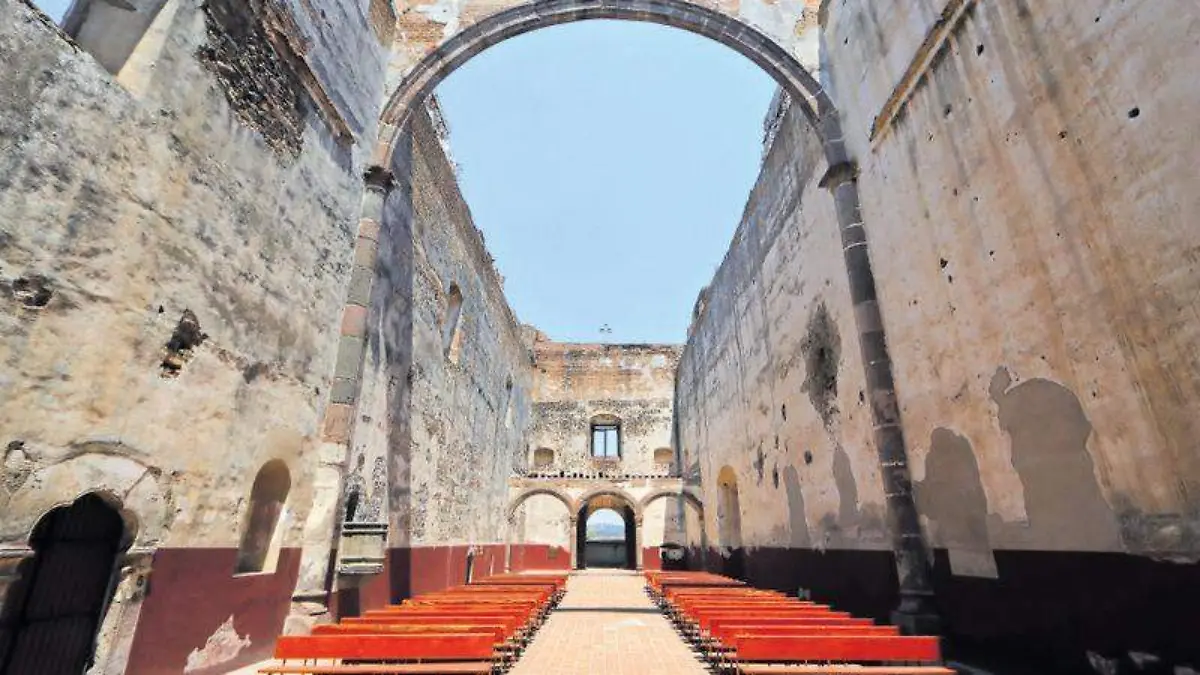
pixel 799 536
pixel 1065 508
pixel 1064 505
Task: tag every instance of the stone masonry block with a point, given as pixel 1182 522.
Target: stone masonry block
pixel 360 286
pixel 354 321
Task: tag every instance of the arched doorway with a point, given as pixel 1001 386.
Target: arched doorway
pixel 54 612
pixel 729 523
pixel 606 533
pixel 605 539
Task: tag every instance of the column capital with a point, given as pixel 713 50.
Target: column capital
pixel 378 178
pixel 836 175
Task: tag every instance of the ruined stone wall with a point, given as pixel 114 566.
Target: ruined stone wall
pixel 445 405
pixel 173 262
pixel 1026 187
pixel 1043 194
pixel 471 399
pixel 770 383
pixel 575 382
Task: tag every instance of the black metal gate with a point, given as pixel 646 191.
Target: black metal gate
pixel 54 611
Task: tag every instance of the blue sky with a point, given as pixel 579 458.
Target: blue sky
pixel 54 8
pixel 607 164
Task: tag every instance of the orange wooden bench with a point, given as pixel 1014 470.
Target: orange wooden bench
pixel 761 654
pixel 428 654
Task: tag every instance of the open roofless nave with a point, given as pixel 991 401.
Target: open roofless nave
pixel 259 377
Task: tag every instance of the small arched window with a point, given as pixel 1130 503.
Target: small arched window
pixel 606 437
pixel 451 324
pixel 262 534
pixel 543 458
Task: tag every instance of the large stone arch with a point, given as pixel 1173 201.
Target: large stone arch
pixel 436 39
pixel 617 492
pixel 516 502
pixel 688 496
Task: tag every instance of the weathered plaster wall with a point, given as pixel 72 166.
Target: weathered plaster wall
pixel 770 384
pixel 1043 185
pixel 1026 186
pixel 123 218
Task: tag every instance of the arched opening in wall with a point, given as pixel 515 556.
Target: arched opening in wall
pixel 664 461
pixel 262 531
pixel 607 533
pixel 606 437
pixel 452 325
pixel 728 54
pixel 729 523
pixel 605 540
pixel 543 459
pixel 52 614
pixel 539 532
pixel 670 521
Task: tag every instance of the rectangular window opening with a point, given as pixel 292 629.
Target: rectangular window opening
pixel 606 441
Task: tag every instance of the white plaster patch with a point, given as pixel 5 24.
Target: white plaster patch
pixel 445 12
pixel 221 647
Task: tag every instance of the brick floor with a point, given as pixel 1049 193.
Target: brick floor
pixel 606 625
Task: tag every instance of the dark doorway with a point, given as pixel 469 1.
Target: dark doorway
pixel 53 613
pixel 606 536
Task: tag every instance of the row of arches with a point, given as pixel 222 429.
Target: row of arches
pixel 574 505
pixel 611 500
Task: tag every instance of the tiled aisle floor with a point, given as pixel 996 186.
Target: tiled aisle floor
pixel 606 624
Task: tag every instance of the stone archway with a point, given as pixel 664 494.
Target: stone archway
pixel 662 494
pixel 524 496
pixel 630 510
pixel 516 502
pixel 435 43
pixel 53 615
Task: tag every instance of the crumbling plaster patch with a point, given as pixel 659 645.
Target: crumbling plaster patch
pixel 222 646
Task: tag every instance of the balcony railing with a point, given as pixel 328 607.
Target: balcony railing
pixel 600 473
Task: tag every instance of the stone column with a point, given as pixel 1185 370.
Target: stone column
pixel 637 541
pixel 115 637
pixel 322 530
pixel 916 613
pixel 572 543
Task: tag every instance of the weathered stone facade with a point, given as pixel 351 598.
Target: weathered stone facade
pixel 576 386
